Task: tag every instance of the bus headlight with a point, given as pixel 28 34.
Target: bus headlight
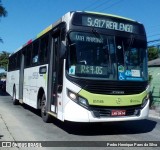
pixel 72 95
pixel 145 100
pixel 78 99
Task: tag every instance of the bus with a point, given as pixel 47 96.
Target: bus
pixel 86 67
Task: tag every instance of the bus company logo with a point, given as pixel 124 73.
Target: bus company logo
pixel 118 100
pixel 117 92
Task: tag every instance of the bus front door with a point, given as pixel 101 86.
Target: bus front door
pixel 53 75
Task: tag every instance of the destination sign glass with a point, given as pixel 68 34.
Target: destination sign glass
pixel 92 70
pixel 108 22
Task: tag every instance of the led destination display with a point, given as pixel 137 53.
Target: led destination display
pixel 108 22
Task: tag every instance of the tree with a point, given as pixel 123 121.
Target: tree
pixel 3 13
pixel 152 53
pixel 4 59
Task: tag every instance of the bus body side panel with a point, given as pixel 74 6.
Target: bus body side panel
pixel 33 81
pixel 30 88
pixel 12 79
pixel 42 79
pixel 8 83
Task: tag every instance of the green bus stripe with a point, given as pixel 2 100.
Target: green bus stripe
pixel 113 100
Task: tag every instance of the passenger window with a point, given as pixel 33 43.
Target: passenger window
pixel 35 52
pixel 18 59
pixel 44 48
pixel 28 56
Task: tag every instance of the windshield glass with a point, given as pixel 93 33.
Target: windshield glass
pixel 93 55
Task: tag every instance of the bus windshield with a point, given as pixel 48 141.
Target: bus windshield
pixel 100 56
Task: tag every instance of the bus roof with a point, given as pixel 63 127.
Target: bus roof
pixel 60 20
pixel 111 15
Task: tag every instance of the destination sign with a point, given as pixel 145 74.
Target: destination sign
pixel 78 36
pixel 92 70
pixel 108 22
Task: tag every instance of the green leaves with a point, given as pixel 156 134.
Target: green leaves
pixel 3 12
pixel 4 59
pixel 152 53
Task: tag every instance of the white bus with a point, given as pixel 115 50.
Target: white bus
pixel 86 67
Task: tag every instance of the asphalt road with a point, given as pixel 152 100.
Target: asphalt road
pixel 23 123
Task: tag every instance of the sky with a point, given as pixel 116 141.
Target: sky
pixel 26 18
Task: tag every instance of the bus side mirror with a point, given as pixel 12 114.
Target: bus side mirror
pixel 63 50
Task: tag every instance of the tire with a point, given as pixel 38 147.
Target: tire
pixel 45 116
pixel 15 101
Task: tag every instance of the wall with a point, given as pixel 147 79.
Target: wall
pixel 155 85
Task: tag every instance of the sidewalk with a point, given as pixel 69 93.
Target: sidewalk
pixel 154 113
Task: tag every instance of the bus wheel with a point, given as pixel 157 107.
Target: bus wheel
pixel 45 116
pixel 15 101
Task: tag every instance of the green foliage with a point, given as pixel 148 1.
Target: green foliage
pixel 4 59
pixel 152 53
pixel 3 12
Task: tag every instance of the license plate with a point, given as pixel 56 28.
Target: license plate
pixel 118 113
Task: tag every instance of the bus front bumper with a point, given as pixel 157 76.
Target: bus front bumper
pixel 76 113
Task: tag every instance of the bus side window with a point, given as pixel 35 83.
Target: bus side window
pixel 12 63
pixel 18 60
pixel 35 52
pixel 28 56
pixel 44 48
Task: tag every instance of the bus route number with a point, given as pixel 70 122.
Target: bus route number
pixel 91 69
pixel 108 24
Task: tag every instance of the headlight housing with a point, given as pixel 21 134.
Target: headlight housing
pixel 145 100
pixel 78 99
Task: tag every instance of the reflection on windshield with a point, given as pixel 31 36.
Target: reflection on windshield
pixel 106 57
pixel 132 59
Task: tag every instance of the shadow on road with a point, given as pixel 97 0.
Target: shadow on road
pixel 33 110
pixel 89 129
pixel 110 128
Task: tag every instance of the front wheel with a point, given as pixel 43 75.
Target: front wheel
pixel 45 116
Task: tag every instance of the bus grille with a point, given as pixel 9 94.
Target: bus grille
pixel 106 111
pixel 116 88
pixel 110 87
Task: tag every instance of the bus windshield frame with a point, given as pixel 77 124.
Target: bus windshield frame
pixel 120 58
